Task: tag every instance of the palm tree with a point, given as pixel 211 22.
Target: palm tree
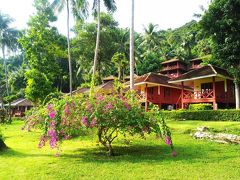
pixel 80 11
pixel 132 48
pixel 111 7
pixel 8 40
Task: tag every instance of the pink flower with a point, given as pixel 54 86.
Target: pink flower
pixel 52 114
pixel 84 121
pixel 174 153
pixel 64 121
pixel 67 137
pixel 42 141
pixel 50 107
pixel 66 110
pixel 127 106
pixel 88 107
pixel 108 106
pixel 57 155
pixel 168 141
pixel 92 123
pixel 101 97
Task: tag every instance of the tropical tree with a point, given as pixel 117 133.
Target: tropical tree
pixel 8 40
pixel 120 62
pixel 221 23
pixel 111 7
pixel 132 47
pixel 79 10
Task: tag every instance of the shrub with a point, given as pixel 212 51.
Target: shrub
pixel 202 106
pixel 3 114
pixel 203 115
pixel 2 144
pixel 111 115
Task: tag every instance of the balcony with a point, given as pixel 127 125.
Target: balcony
pixel 168 68
pixel 207 96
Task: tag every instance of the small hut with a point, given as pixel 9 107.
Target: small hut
pixel 20 106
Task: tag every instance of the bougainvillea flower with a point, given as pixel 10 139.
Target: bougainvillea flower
pixel 168 140
pixel 84 121
pixel 174 153
pixel 52 114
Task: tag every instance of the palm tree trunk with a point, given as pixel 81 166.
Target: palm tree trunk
pixel 237 95
pixel 69 55
pixel 7 88
pixel 97 39
pixel 132 49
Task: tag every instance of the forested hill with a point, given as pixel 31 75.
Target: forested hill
pixel 41 59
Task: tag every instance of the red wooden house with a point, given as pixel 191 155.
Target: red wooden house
pixel 211 85
pixel 180 84
pixel 154 88
pixel 174 68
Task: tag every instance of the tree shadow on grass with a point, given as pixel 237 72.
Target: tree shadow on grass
pixel 134 154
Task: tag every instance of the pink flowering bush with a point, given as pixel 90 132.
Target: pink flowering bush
pixel 111 115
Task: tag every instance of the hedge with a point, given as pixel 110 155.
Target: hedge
pixel 203 115
pixel 202 106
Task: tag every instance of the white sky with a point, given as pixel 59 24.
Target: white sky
pixel 165 13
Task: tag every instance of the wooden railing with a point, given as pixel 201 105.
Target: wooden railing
pixel 198 95
pixel 173 67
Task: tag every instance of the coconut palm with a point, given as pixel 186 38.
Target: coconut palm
pixel 111 7
pixel 132 47
pixel 80 10
pixel 8 41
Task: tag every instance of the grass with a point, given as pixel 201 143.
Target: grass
pixel 142 159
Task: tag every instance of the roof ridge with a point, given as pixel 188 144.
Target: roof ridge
pixel 213 69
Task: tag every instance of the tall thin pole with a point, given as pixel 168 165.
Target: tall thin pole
pixel 132 48
pixel 97 40
pixel 69 55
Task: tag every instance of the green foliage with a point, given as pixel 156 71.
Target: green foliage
pixel 202 106
pixel 120 62
pixel 111 115
pixel 3 115
pixel 38 85
pixel 203 115
pixel 221 23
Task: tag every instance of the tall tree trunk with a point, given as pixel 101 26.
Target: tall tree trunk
pixel 69 55
pixel 237 95
pixel 97 39
pixel 7 87
pixel 132 48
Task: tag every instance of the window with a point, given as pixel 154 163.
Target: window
pixel 206 87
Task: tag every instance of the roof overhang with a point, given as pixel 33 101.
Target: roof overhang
pixel 200 77
pixel 164 85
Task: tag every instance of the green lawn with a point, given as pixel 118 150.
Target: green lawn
pixel 142 159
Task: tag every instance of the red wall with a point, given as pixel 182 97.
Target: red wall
pixel 167 95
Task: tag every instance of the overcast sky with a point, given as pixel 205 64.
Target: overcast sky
pixel 165 13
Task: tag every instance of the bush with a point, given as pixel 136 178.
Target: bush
pixel 202 106
pixel 203 115
pixel 3 114
pixel 2 144
pixel 111 115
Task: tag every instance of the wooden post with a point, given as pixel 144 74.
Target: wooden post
pixel 146 100
pixel 182 94
pixel 214 94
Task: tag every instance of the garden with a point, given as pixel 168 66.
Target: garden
pixel 136 158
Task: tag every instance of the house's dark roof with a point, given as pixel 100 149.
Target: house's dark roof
pixel 21 102
pixel 81 90
pixel 156 79
pixel 173 60
pixel 200 58
pixel 204 71
pixel 106 86
pixel 109 78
